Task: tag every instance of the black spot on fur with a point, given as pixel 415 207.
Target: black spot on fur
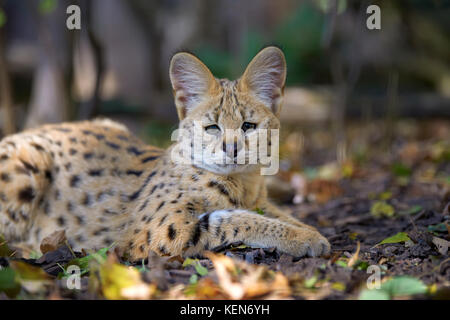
pixel 112 145
pixel 149 237
pixel 147 159
pixel 87 200
pixel 95 172
pixel 161 205
pixel 80 220
pixel 143 205
pixel 74 181
pixel 136 194
pixel 37 146
pixel 162 220
pixel 134 172
pixel 223 190
pixel 61 221
pixel 153 189
pixel 99 136
pixel 87 132
pixel 88 155
pixel 135 151
pixel 163 249
pixel 49 176
pixel 26 194
pixel 28 166
pixel 72 152
pixel 101 230
pixel 5 177
pixel 171 232
pixel 70 206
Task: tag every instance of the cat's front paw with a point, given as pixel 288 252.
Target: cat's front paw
pixel 310 243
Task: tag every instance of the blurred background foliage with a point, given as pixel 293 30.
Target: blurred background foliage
pixel 339 72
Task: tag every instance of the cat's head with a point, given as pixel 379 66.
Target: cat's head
pixel 220 119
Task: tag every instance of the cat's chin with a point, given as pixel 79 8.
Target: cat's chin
pixel 228 169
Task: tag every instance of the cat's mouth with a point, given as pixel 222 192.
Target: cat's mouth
pixel 225 169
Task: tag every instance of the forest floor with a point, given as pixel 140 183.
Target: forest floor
pixel 385 211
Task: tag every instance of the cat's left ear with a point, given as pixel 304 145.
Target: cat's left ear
pixel 265 78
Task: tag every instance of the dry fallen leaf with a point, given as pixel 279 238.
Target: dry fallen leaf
pixel 355 257
pixel 122 282
pixel 53 241
pixel 441 244
pixel 240 280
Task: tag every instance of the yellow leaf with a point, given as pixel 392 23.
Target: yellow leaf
pixel 122 282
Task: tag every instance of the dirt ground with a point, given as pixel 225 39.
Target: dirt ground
pixel 400 191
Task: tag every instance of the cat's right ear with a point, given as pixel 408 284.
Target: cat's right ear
pixel 191 81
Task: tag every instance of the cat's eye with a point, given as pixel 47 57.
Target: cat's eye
pixel 212 128
pixel 248 126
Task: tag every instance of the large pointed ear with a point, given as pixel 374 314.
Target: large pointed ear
pixel 191 82
pixel 265 77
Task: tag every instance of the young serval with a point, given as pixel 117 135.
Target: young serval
pixel 103 185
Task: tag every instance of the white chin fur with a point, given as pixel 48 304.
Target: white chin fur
pixel 225 169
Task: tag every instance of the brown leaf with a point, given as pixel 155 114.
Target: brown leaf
pixel 355 257
pixel 240 280
pixel 441 245
pixel 53 241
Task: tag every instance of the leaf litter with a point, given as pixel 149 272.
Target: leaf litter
pixel 388 210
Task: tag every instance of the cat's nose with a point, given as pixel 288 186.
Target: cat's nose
pixel 231 149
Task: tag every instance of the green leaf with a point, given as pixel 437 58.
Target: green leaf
pixel 325 5
pixel 310 282
pixel 188 262
pixel 47 6
pixel 2 18
pixel 201 270
pixel 374 294
pixel 8 282
pixel 259 211
pixel 385 195
pixel 399 237
pixel 395 287
pixel 382 208
pixel 400 170
pixel 404 286
pixel 83 262
pixel 441 227
pixel 5 251
pixel 341 264
pixel 413 210
pixel 193 279
pixel 361 265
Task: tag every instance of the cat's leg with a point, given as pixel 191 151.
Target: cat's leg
pixel 228 226
pixel 187 235
pixel 25 173
pixel 272 211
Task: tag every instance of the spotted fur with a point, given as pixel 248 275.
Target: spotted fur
pixel 101 184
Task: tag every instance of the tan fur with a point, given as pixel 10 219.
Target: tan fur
pixel 103 185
